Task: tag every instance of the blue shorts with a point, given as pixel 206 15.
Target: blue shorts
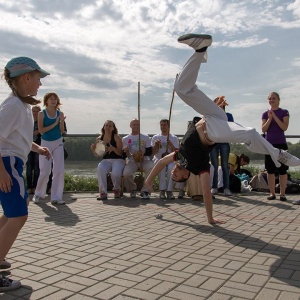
pixel 14 203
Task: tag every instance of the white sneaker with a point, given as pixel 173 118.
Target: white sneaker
pixel 227 192
pixel 36 199
pixel 196 41
pixel 214 191
pixel 288 159
pixel 7 284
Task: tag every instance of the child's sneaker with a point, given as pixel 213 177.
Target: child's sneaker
pixel 36 199
pixel 7 284
pixel 5 265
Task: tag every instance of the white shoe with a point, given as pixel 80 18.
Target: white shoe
pixel 214 191
pixel 61 202
pixel 7 284
pixel 196 41
pixel 227 192
pixel 288 159
pixel 36 199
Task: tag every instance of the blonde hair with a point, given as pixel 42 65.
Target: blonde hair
pixel 274 93
pixel 12 82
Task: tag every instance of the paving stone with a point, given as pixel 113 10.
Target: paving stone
pixel 119 251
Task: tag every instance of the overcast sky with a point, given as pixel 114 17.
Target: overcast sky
pixel 98 51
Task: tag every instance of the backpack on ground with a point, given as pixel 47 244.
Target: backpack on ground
pixel 259 182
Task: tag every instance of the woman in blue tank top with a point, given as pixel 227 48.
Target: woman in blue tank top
pixel 51 127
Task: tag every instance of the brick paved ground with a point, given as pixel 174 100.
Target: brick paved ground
pixel 118 249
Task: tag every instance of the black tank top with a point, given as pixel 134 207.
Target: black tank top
pixel 111 154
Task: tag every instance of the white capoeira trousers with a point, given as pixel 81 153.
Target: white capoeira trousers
pixel 219 129
pixel 56 149
pixel 113 165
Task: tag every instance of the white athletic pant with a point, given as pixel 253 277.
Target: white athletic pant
pixel 219 129
pixel 113 165
pixel 56 149
pixel 129 170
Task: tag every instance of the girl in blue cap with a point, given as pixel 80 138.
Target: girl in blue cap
pixel 23 75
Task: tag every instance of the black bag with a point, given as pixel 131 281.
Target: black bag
pixel 291 188
pixel 234 184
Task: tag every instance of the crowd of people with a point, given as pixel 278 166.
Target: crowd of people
pixel 27 130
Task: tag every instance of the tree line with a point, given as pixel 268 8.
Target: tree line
pixel 78 149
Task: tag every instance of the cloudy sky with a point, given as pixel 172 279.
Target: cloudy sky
pixel 98 51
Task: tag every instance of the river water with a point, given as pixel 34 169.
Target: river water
pixel 89 168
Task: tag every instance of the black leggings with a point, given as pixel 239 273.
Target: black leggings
pixel 269 164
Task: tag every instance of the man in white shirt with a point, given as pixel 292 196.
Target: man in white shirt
pixel 167 143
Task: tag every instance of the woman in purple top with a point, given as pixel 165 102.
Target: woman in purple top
pixel 275 122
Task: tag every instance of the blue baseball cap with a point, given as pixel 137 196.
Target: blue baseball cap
pixel 21 65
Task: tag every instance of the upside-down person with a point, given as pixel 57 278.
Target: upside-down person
pixel 193 153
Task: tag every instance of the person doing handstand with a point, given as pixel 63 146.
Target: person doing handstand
pixel 193 153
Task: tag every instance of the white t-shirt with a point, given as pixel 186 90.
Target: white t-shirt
pixel 163 139
pixel 132 141
pixel 16 123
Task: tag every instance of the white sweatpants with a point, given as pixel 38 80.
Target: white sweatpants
pixel 219 129
pixel 56 149
pixel 113 165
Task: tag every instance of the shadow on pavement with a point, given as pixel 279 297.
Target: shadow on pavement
pixel 283 269
pixel 60 215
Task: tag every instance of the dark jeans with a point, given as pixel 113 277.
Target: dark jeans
pixel 32 170
pixel 224 150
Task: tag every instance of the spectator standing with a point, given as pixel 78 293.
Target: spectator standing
pixel 275 122
pixel 223 149
pixel 32 165
pixel 51 126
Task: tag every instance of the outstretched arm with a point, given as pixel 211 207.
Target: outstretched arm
pixel 207 197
